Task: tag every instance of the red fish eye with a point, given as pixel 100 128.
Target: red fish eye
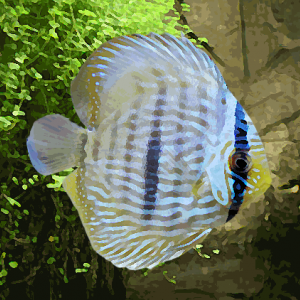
pixel 240 162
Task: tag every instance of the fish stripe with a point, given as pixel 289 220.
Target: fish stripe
pixel 241 129
pixel 241 144
pixel 153 154
pixel 151 177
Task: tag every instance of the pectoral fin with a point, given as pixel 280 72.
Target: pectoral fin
pixel 217 179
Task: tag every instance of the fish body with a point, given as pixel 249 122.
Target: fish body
pixel 168 152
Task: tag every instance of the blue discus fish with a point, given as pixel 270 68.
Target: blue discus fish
pixel 168 152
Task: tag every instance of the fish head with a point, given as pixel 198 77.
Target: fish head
pixel 248 170
pixel 238 172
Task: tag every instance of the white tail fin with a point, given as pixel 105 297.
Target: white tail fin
pixel 55 144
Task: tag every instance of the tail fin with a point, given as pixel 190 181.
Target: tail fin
pixel 55 144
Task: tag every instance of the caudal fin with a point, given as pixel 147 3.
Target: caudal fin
pixel 55 144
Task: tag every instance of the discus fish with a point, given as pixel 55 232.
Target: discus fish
pixel 168 152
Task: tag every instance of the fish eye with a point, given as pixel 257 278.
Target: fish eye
pixel 240 162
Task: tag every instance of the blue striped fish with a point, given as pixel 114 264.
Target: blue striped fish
pixel 168 153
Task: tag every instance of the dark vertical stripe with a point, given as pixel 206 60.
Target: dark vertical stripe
pixel 151 171
pixel 153 153
pixel 241 144
pixel 151 177
pixel 240 130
